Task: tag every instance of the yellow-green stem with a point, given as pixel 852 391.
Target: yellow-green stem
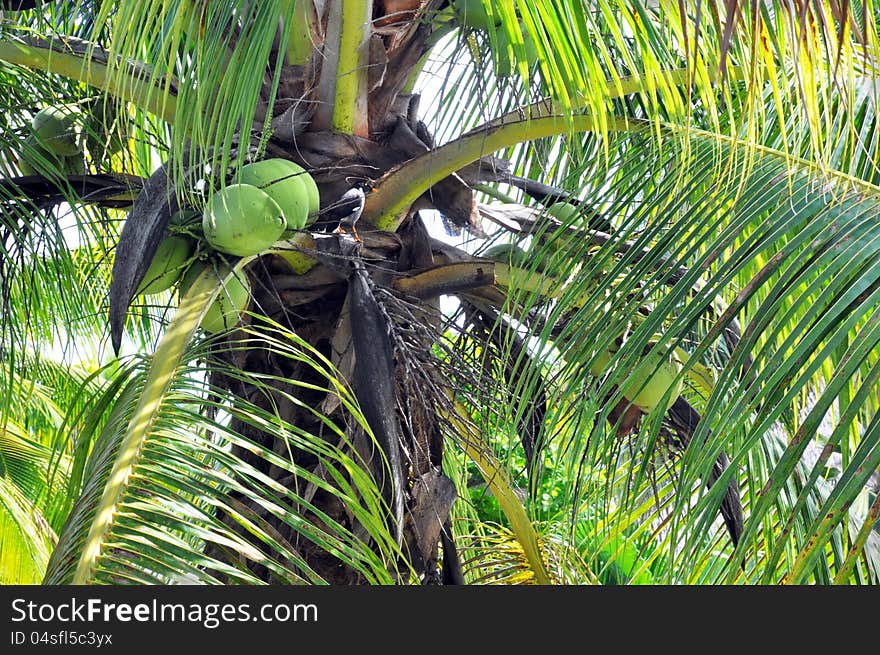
pixel 496 479
pixel 299 34
pixel 387 205
pixel 131 88
pixel 165 362
pixel 350 97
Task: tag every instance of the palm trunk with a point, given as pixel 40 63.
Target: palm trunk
pixel 343 308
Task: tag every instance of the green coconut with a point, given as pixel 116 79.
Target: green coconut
pixel 660 372
pixel 314 197
pixel 167 265
pixel 293 169
pixel 25 167
pixel 508 253
pixel 230 302
pixel 473 13
pixel 225 312
pixel 564 211
pixel 242 220
pixel 57 129
pixel 651 379
pixel 285 183
pixel 600 363
pixel 189 276
pixel 36 160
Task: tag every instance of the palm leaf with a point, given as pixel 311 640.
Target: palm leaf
pixel 169 492
pixel 25 535
pixel 809 303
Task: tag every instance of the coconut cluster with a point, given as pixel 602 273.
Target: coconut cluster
pixel 60 139
pixel 55 142
pixel 270 198
pixel 273 196
pixel 654 379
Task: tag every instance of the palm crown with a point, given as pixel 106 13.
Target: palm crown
pixel 660 364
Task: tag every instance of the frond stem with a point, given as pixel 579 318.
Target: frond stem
pixel 352 69
pixel 82 61
pixel 387 205
pixel 165 362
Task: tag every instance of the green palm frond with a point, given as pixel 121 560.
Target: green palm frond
pixel 496 556
pixel 25 535
pixel 791 254
pixel 721 163
pixel 29 465
pixel 228 47
pixel 178 484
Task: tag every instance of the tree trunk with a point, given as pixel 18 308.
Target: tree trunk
pixel 345 308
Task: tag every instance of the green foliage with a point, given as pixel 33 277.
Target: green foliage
pixel 738 171
pixel 26 537
pixel 473 13
pixel 184 486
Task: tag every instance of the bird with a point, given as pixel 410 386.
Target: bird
pixel 353 201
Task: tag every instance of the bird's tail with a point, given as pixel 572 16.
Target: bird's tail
pixel 684 419
pixel 731 506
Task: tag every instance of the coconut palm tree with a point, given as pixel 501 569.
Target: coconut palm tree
pixel 588 291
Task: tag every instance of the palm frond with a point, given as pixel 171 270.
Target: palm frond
pixel 789 254
pixel 25 535
pixel 180 482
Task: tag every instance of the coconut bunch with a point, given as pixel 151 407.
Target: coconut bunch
pixel 62 138
pixel 655 379
pixel 272 198
pixel 55 143
pixel 656 375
